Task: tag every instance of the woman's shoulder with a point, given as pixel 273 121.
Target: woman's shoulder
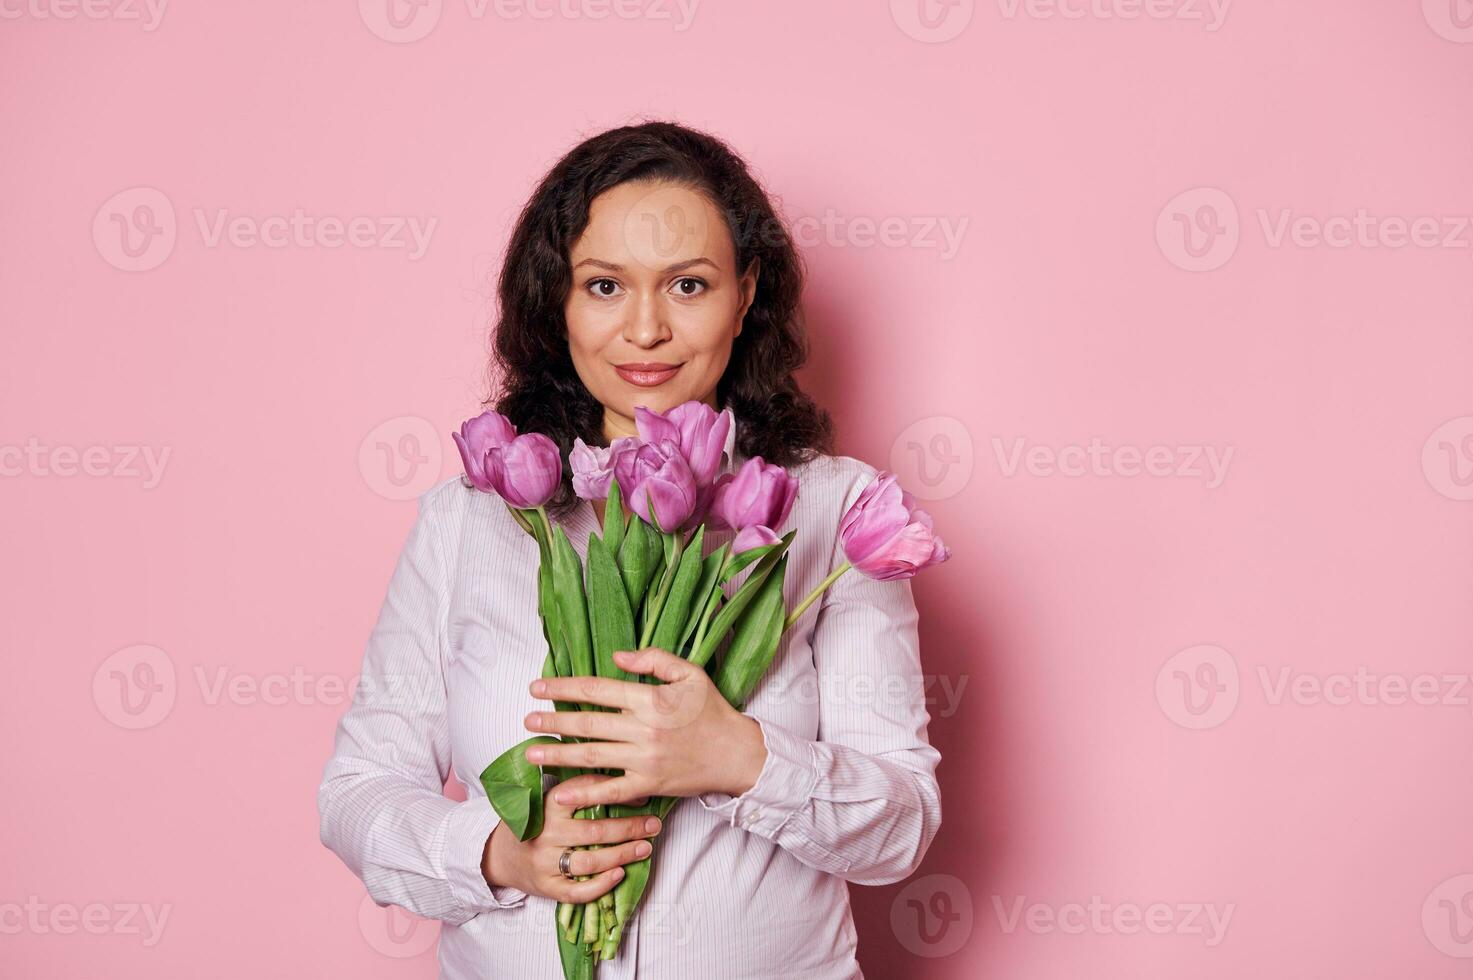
pixel 455 507
pixel 831 478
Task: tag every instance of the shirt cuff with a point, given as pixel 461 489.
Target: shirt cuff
pixel 466 832
pixel 784 786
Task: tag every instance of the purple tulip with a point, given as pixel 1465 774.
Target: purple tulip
pixel 658 477
pixel 754 501
pixel 698 429
pixel 476 437
pixel 886 536
pixel 593 466
pixel 526 471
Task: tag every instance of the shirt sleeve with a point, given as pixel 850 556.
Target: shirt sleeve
pixel 862 801
pixel 382 804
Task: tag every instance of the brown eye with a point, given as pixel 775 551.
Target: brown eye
pixel 690 286
pixel 604 288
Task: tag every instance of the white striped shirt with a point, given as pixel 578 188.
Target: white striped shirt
pixel 745 887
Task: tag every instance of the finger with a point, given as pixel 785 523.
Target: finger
pixel 602 859
pixel 584 755
pixel 603 691
pixel 608 726
pixel 578 892
pixel 611 830
pixel 656 662
pixel 556 809
pixel 614 789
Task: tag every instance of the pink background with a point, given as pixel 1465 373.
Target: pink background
pixel 1333 818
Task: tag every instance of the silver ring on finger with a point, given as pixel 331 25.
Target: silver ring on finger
pixel 565 864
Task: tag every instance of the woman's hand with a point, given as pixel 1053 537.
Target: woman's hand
pixel 532 865
pixel 679 738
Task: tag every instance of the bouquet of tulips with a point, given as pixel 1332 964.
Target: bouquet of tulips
pixel 648 581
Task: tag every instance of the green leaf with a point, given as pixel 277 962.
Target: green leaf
pixel 744 595
pixel 754 640
pixel 613 519
pixel 747 557
pixel 578 962
pixel 552 629
pixel 676 610
pixel 706 594
pixel 609 615
pixel 627 894
pixel 637 560
pixel 514 787
pixel 567 586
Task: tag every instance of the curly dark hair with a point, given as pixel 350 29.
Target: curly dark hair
pixel 539 390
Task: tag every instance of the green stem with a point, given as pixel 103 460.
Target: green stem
pixel 546 524
pixel 710 608
pixel 799 609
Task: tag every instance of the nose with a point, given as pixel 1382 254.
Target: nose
pixel 646 326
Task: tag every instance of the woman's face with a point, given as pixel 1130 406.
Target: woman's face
pixel 656 300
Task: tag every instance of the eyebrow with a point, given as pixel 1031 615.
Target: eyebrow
pixel 677 267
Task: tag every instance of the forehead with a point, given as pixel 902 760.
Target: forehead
pixel 653 224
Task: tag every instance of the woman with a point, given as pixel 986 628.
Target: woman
pixel 650 269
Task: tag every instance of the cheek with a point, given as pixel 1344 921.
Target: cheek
pixel 588 331
pixel 709 332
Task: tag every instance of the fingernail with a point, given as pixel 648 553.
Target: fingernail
pixel 534 721
pixel 534 754
pixel 539 687
pixel 618 873
pixel 652 824
pixel 623 654
pixel 562 797
pixel 642 849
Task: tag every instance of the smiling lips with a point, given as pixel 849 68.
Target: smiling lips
pixel 647 374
